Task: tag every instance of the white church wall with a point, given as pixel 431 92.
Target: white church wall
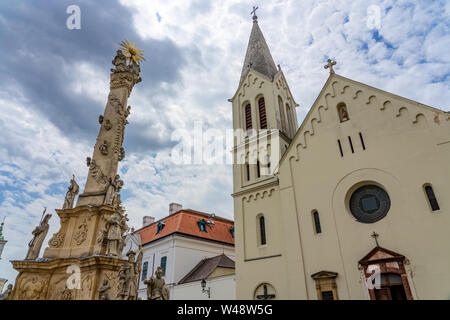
pixel 402 153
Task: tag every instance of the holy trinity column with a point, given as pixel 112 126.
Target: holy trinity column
pixel 85 255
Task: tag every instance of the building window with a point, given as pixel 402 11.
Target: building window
pixel 282 115
pixel 160 227
pixel 144 271
pixel 342 111
pixel 202 225
pixel 248 117
pixel 163 265
pixel 289 121
pixel 431 197
pixel 317 227
pixel 247 169
pixel 262 230
pixel 232 231
pixel 327 295
pixel 326 285
pixel 351 144
pixel 258 169
pixel 340 148
pixel 362 141
pixel 369 203
pixel 262 113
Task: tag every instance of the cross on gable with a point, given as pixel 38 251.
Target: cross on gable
pixel 265 296
pixel 330 65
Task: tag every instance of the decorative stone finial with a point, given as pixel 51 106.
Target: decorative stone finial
pixel 255 18
pixel 330 65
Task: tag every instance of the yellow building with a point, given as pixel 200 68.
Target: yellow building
pixel 356 204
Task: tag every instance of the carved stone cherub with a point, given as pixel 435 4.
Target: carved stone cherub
pixel 121 155
pixel 104 148
pixel 39 234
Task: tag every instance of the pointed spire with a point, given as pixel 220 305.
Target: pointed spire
pixel 258 55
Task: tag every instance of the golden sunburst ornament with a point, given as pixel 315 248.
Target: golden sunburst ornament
pixel 131 51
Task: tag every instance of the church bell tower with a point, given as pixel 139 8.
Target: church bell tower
pixel 264 117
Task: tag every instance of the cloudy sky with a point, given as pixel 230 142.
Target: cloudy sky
pixel 54 84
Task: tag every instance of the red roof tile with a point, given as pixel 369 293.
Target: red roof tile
pixel 186 222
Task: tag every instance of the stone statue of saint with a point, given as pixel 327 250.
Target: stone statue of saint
pixel 120 62
pixel 114 234
pixel 71 193
pixel 7 294
pixel 112 191
pixel 128 277
pixel 103 291
pixel 156 287
pixel 39 234
pixel 135 71
pixel 343 114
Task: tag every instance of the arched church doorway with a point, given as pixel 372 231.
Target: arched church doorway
pixel 385 275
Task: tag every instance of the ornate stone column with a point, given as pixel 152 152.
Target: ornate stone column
pixel 75 263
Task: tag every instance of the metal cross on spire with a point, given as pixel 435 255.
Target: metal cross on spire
pixel 255 18
pixel 330 65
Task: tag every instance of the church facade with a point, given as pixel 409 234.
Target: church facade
pixel 355 206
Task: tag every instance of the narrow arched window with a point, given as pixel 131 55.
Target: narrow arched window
pixel 289 121
pixel 282 115
pixel 248 117
pixel 247 169
pixel 262 113
pixel 262 230
pixel 258 169
pixel 431 198
pixel 316 218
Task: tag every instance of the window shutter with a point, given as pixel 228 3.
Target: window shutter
pixel 248 117
pixel 163 265
pixel 262 113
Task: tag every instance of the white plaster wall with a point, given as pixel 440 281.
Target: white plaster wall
pixel 222 288
pixel 183 254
